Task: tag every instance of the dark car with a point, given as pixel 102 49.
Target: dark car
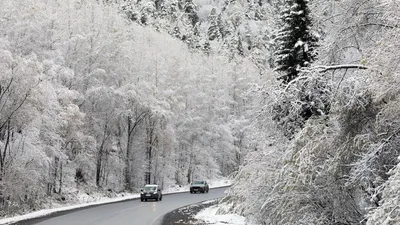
pixel 151 191
pixel 199 186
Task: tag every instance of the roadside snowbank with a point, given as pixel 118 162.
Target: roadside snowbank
pixel 209 216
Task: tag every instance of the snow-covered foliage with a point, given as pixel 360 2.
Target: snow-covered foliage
pixel 306 96
pixel 232 28
pixel 388 212
pixel 91 100
pixel 341 167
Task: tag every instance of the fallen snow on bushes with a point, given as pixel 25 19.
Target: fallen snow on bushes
pixel 209 216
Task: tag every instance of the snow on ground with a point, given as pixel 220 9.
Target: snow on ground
pixel 89 200
pixel 209 216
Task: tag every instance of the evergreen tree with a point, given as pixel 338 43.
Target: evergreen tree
pixel 295 42
pixel 190 24
pixel 190 10
pixel 158 4
pixel 207 47
pixel 221 25
pixel 213 31
pixel 254 10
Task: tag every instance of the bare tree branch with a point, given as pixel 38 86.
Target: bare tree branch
pixel 16 109
pixel 6 89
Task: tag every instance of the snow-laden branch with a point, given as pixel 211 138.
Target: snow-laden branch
pixel 322 69
pixel 390 26
pixel 339 67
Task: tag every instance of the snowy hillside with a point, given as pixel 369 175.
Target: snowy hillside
pixel 297 100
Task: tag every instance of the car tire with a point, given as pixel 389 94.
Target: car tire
pixel 157 199
pixel 141 199
pixel 145 199
pixel 160 198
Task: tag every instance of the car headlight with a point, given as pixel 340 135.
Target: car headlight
pixel 155 192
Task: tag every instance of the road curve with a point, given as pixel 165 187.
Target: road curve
pixel 131 212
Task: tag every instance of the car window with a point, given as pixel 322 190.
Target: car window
pixel 151 188
pixel 198 182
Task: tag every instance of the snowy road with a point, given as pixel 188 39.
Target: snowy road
pixel 132 212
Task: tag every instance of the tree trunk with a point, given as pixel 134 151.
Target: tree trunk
pixel 61 175
pixel 128 156
pixel 189 174
pixel 100 158
pixel 149 149
pixel 151 142
pixel 56 160
pixel 4 153
pixel 156 155
pixel 132 124
pixel 98 167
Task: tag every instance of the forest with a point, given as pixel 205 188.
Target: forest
pixel 297 101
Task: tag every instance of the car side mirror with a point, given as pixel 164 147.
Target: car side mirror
pixel 159 190
pixel 141 190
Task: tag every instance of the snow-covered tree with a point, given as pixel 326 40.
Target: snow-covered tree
pixel 341 167
pixel 295 41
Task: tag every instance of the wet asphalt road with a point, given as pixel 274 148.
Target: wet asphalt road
pixel 132 212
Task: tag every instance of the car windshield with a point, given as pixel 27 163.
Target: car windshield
pixel 198 182
pixel 150 188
